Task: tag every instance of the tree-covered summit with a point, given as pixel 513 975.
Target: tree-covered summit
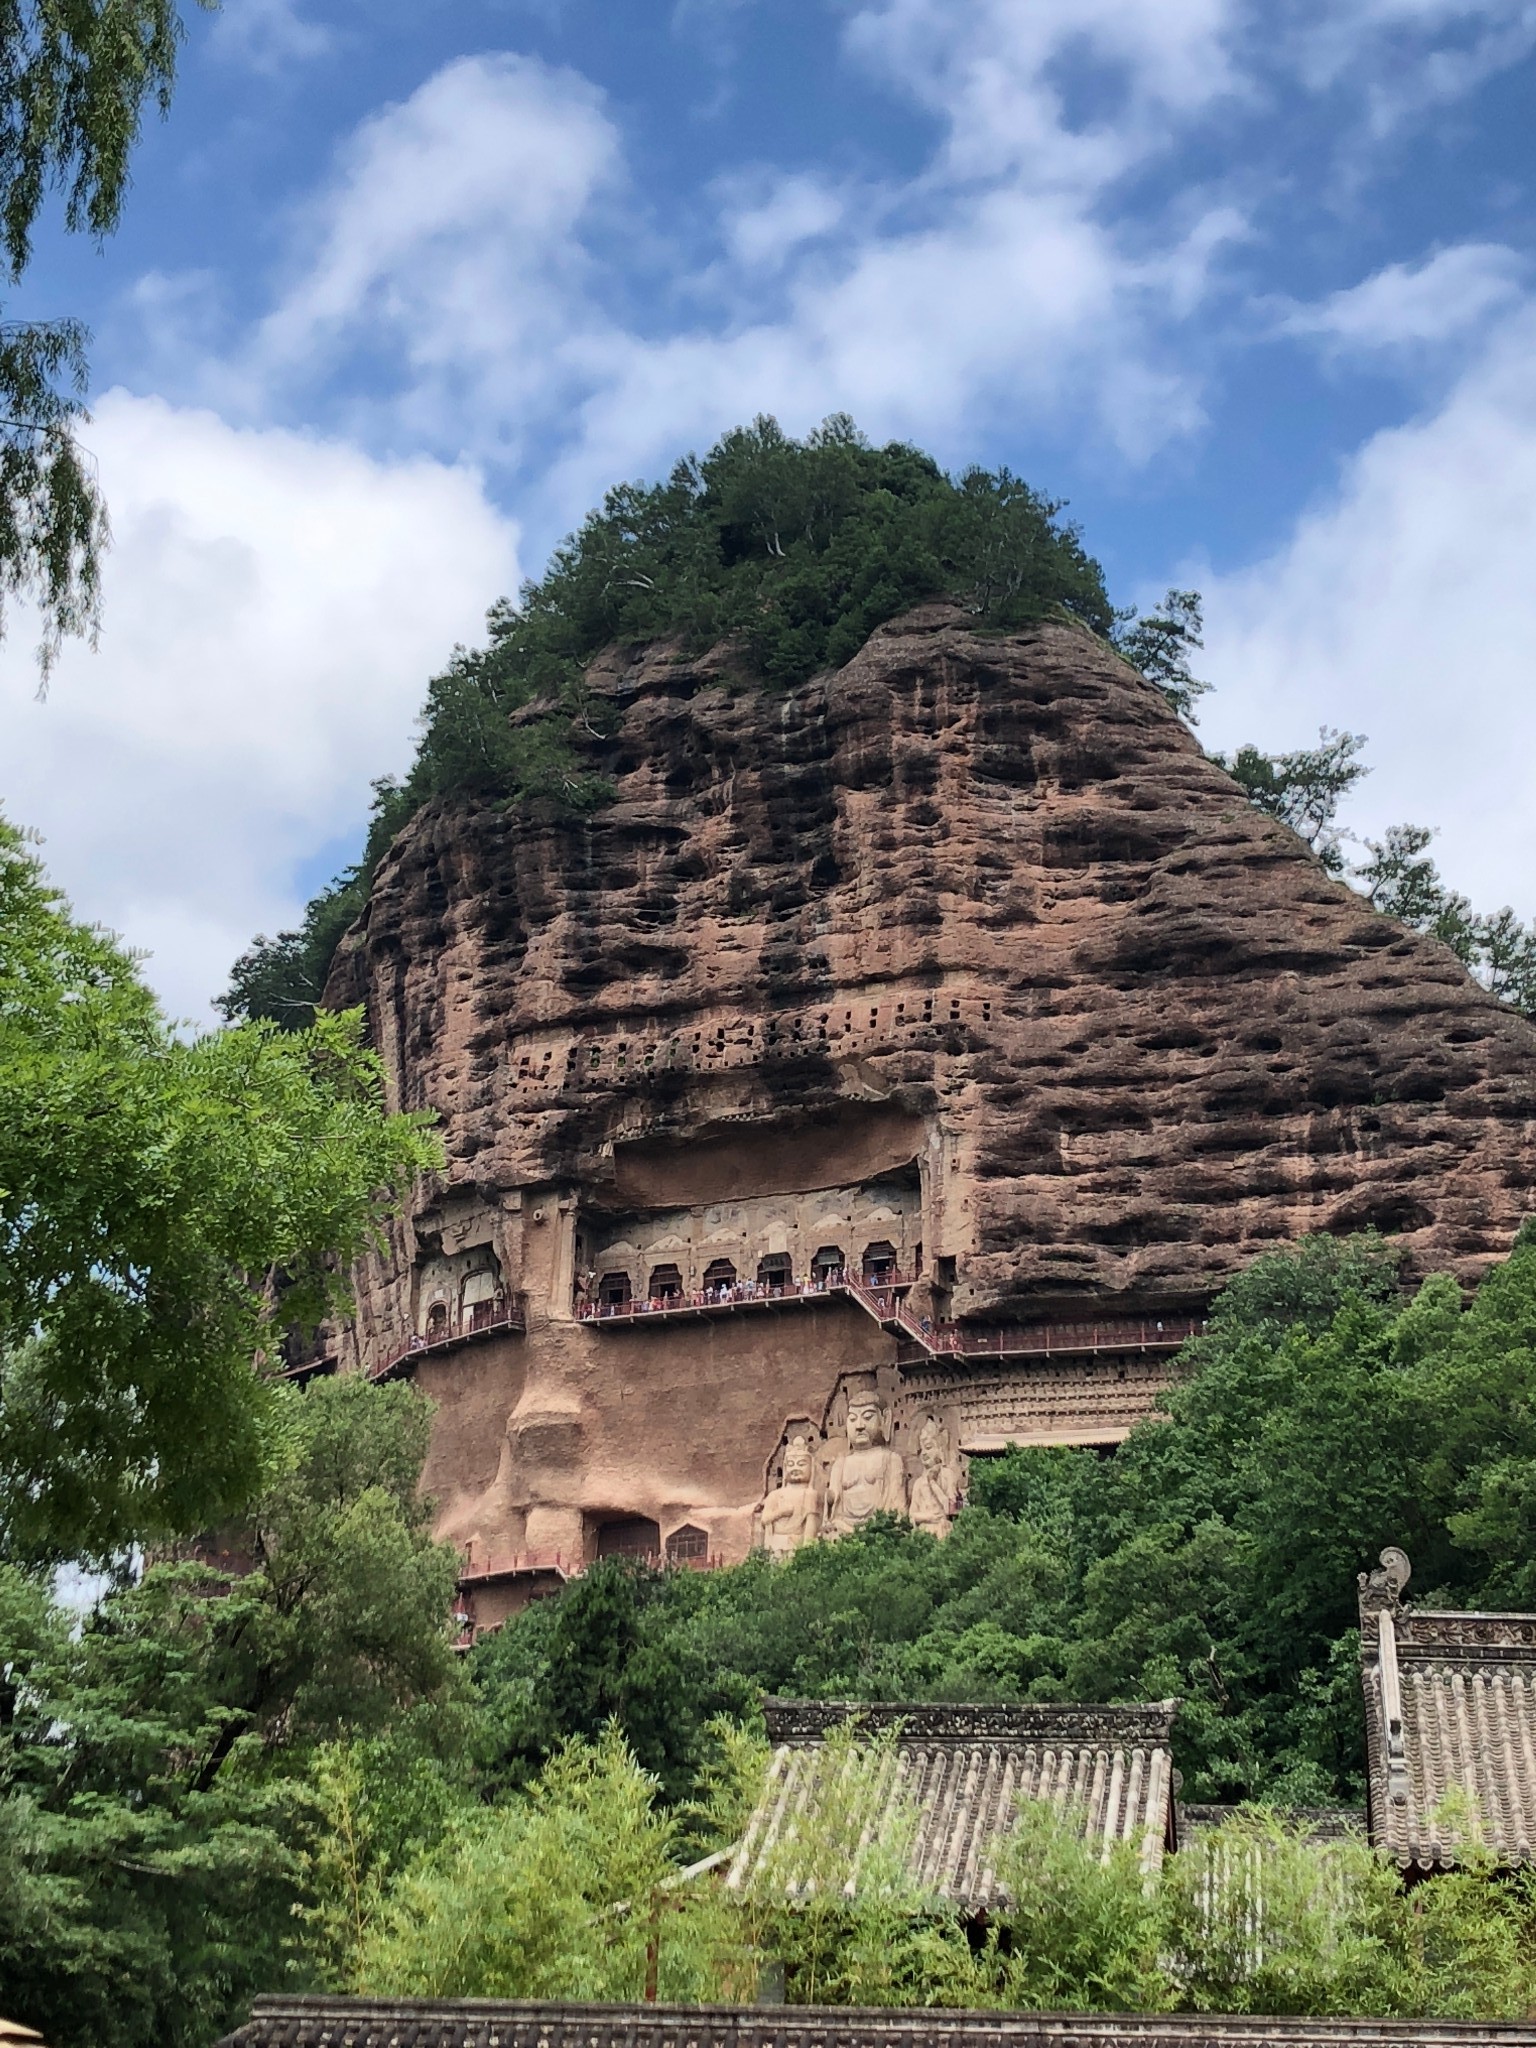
pixel 792 550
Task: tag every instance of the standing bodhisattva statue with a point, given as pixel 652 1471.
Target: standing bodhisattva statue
pixel 940 1478
pixel 790 1514
pixel 869 1476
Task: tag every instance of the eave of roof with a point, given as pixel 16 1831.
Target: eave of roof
pixel 288 2022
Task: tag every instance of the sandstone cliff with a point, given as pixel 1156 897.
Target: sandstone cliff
pixel 973 919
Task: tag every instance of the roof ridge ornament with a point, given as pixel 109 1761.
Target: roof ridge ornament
pixel 1381 1591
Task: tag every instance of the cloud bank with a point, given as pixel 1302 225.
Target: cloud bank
pixel 274 605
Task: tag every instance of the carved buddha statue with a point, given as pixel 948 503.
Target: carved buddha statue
pixel 869 1476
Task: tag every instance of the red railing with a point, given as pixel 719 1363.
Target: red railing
pixel 1113 1333
pixel 517 1563
pixel 483 1317
pixel 883 1300
pixel 742 1294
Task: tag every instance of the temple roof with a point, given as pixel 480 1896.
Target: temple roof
pixel 953 1783
pixel 1450 1711
pixel 289 2022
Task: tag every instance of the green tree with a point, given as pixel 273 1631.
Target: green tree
pixel 163 1764
pixel 1159 645
pixel 1403 882
pixel 1082 1920
pixel 1304 789
pixel 572 1889
pixel 149 1186
pixel 75 79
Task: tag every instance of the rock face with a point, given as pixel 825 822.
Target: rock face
pixel 961 968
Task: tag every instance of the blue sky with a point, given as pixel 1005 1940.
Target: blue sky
pixel 401 289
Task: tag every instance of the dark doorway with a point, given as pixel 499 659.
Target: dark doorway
pixel 613 1290
pixel 666 1284
pixel 629 1536
pixel 717 1274
pixel 879 1263
pixel 830 1263
pixel 777 1270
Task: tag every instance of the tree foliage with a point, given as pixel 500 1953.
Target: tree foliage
pixel 574 1890
pixel 1402 881
pixel 1305 789
pixel 76 77
pixel 1159 643
pixel 792 551
pixel 1212 1557
pixel 149 1185
pixel 162 1764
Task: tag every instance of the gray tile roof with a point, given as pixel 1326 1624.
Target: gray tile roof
pixel 284 2022
pixel 954 1782
pixel 1450 1712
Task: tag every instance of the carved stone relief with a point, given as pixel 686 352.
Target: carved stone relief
pixel 869 1477
pixel 875 1453
pixel 939 1483
pixel 789 1513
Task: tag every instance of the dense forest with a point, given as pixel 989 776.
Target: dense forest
pixel 793 551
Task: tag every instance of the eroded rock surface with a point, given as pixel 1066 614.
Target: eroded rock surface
pixel 964 951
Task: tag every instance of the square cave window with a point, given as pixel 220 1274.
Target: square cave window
pixel 666 1284
pixel 719 1274
pixel 776 1270
pixel 829 1264
pixel 613 1290
pixel 944 1271
pixel 629 1536
pixel 879 1263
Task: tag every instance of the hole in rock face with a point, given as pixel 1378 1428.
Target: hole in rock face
pixel 944 1271
pixel 628 1536
pixel 665 1284
pixel 613 1290
pixel 830 1262
pixel 437 1320
pixel 879 1263
pixel 777 1269
pixel 719 1273
pixel 688 1545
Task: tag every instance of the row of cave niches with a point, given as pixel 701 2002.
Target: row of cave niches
pixel 721 1282
pixel 589 1062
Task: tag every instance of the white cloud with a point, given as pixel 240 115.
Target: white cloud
pixel 1416 305
pixel 274 605
pixel 990 68
pixel 268 35
pixel 1405 608
pixel 449 236
pixel 766 221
